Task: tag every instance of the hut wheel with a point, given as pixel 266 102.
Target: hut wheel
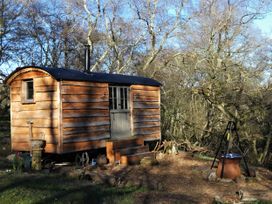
pixel 82 159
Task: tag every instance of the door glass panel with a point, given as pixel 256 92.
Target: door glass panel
pixel 126 99
pixel 110 98
pixel 115 98
pixel 121 98
pixel 118 98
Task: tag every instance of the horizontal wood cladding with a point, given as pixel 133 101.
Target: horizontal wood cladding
pixel 84 84
pixel 86 137
pixel 145 105
pixel 38 89
pixel 84 90
pixel 38 81
pixel 146 124
pixel 40 123
pixel 27 74
pixel 48 138
pixel 145 88
pixel 40 105
pixel 36 131
pixel 82 98
pixel 22 134
pixel 87 120
pixel 87 130
pixel 150 137
pixel 43 111
pixel 86 106
pixel 81 146
pixel 146 112
pixel 24 146
pixel 85 115
pixel 144 93
pixel 24 114
pixel 85 124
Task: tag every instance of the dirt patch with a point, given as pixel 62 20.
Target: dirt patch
pixel 179 178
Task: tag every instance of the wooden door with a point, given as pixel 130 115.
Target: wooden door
pixel 119 112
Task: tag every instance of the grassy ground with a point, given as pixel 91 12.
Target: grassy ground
pixel 53 188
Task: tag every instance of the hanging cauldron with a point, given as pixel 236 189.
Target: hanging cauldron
pixel 229 166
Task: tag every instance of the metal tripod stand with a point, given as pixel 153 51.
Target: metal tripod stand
pixel 229 142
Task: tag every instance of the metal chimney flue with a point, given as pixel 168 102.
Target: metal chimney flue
pixel 87 58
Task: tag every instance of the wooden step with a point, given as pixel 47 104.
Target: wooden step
pixel 133 150
pixel 124 143
pixel 130 150
pixel 135 158
pixel 113 146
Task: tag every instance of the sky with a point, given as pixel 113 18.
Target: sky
pixel 265 25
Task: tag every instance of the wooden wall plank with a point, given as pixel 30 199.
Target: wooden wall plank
pixel 85 124
pixel 86 106
pixel 85 113
pixel 37 131
pixel 84 90
pixel 40 105
pixel 145 88
pixel 83 83
pixel 50 123
pixel 88 120
pixel 24 146
pixel 51 114
pixel 81 146
pixel 85 98
pixel 45 81
pixel 47 88
pixel 31 74
pixel 139 93
pixel 151 137
pixel 146 105
pixel 45 96
pixel 146 124
pixel 87 130
pixel 22 138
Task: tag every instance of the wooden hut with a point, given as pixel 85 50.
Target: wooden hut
pixel 76 111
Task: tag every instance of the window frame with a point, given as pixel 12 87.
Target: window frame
pixel 25 91
pixel 116 101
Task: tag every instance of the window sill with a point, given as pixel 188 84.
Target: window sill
pixel 28 102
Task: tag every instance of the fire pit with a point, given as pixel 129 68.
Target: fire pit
pixel 231 169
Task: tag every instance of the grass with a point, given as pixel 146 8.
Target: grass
pixel 53 188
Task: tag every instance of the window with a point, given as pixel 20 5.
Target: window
pixel 118 98
pixel 28 90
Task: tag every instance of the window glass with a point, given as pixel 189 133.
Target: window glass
pixel 28 90
pixel 110 98
pixel 118 98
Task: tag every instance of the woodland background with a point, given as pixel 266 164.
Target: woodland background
pixel 214 65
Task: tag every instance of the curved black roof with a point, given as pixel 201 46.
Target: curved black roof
pixel 75 75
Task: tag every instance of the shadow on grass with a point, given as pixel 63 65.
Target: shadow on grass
pixel 38 188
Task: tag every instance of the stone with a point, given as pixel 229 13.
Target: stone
pixel 112 181
pixel 148 161
pixel 217 200
pixel 10 157
pixel 212 176
pixel 225 180
pixel 101 160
